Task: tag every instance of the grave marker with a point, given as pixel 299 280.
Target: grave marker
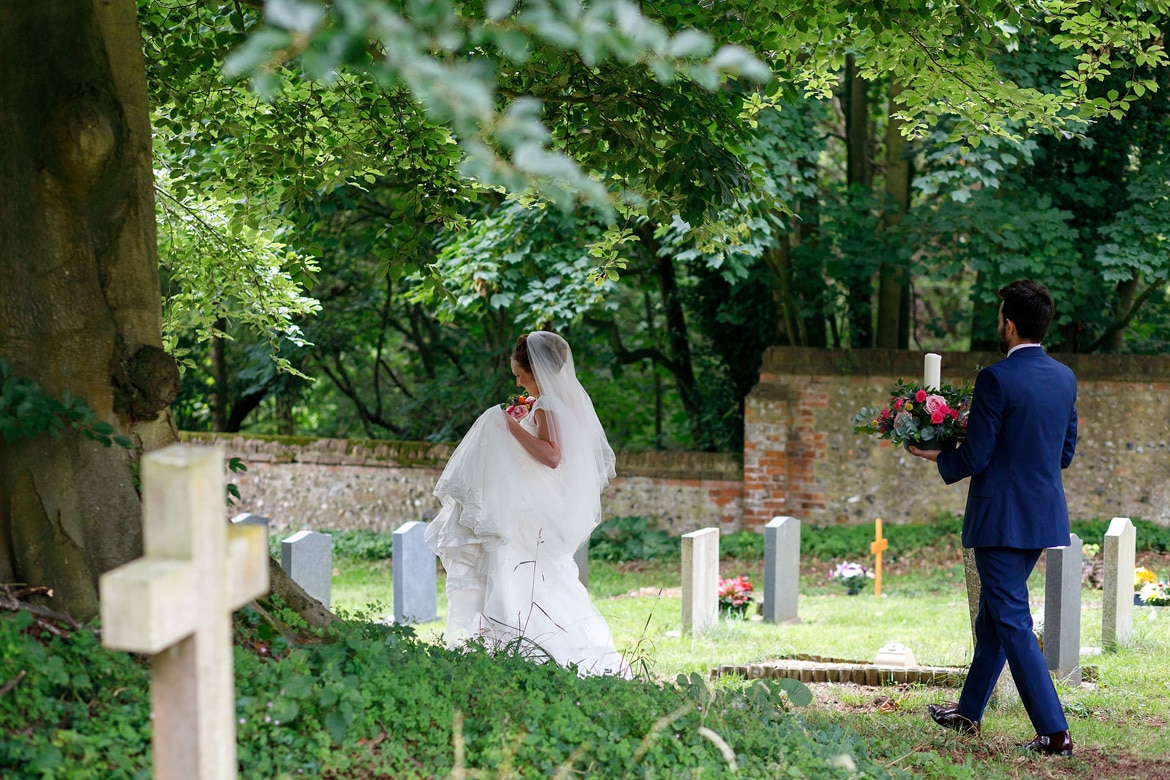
pixel 414 575
pixel 307 558
pixel 877 547
pixel 1062 610
pixel 1119 554
pixel 781 570
pixel 700 580
pixel 175 605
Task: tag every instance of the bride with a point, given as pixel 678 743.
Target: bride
pixel 518 498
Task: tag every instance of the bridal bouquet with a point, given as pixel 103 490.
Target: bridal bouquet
pixel 519 405
pixel 928 419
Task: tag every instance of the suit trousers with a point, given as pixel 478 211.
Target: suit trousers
pixel 1003 632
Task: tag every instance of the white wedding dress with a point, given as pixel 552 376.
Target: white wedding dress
pixel 507 532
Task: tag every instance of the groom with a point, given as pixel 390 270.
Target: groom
pixel 1022 430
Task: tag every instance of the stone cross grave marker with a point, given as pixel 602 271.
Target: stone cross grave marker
pixel 700 580
pixel 307 558
pixel 175 604
pixel 1062 610
pixel 414 575
pixel 877 547
pixel 1119 554
pixel 781 570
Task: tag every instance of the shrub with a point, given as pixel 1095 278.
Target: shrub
pixel 373 701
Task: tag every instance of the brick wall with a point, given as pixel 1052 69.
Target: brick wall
pixel 801 457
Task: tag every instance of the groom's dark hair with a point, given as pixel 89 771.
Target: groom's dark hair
pixel 1029 305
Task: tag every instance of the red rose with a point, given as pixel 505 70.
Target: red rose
pixel 920 396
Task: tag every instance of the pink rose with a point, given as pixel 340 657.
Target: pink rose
pixel 937 417
pixel 518 411
pixel 936 404
pixel 920 396
pixel 898 403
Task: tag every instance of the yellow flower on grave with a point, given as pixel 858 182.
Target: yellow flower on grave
pixel 909 407
pixel 1143 576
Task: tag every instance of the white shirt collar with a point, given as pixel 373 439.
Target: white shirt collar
pixel 1021 346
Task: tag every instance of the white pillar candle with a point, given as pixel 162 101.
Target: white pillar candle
pixel 931 371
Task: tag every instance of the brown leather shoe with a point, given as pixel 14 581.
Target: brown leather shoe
pixel 947 716
pixel 1058 744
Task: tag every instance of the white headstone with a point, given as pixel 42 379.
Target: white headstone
pixel 700 580
pixel 1062 610
pixel 248 518
pixel 307 558
pixel 781 570
pixel 414 575
pixel 175 604
pixel 1119 554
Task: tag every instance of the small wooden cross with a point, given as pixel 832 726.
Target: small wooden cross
pixel 175 604
pixel 876 547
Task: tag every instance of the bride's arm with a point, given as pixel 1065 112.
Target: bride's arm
pixel 541 446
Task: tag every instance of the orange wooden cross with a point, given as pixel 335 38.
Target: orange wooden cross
pixel 876 547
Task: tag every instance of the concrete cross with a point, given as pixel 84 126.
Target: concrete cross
pixel 876 547
pixel 175 604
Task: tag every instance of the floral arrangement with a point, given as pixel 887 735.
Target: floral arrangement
pixel 851 575
pixel 1143 576
pixel 734 596
pixel 1150 591
pixel 928 419
pixel 519 405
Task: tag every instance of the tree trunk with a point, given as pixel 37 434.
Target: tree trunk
pixel 893 331
pixel 80 311
pixel 859 174
pixel 219 375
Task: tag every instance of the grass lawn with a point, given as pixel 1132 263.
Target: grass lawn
pixel 1116 718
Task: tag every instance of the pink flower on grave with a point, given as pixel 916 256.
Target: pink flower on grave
pixel 920 396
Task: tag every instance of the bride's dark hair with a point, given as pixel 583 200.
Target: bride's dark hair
pixel 520 353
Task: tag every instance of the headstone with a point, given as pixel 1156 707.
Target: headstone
pixel 248 518
pixel 700 580
pixel 781 570
pixel 876 548
pixel 414 575
pixel 175 604
pixel 307 558
pixel 1062 611
pixel 581 557
pixel 1119 554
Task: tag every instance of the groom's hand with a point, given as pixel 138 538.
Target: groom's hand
pixel 931 455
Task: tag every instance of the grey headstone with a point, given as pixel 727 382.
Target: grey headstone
pixel 307 557
pixel 247 518
pixel 414 575
pixel 581 557
pixel 1062 611
pixel 781 570
pixel 700 580
pixel 1119 554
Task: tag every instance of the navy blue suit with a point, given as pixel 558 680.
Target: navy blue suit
pixel 1022 431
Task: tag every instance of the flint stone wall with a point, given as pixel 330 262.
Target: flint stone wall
pixel 802 458
pixel 345 484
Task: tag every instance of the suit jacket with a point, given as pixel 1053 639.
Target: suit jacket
pixel 1021 432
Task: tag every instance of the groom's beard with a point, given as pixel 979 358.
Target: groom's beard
pixel 1003 344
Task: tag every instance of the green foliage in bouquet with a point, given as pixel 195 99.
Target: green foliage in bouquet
pixel 928 419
